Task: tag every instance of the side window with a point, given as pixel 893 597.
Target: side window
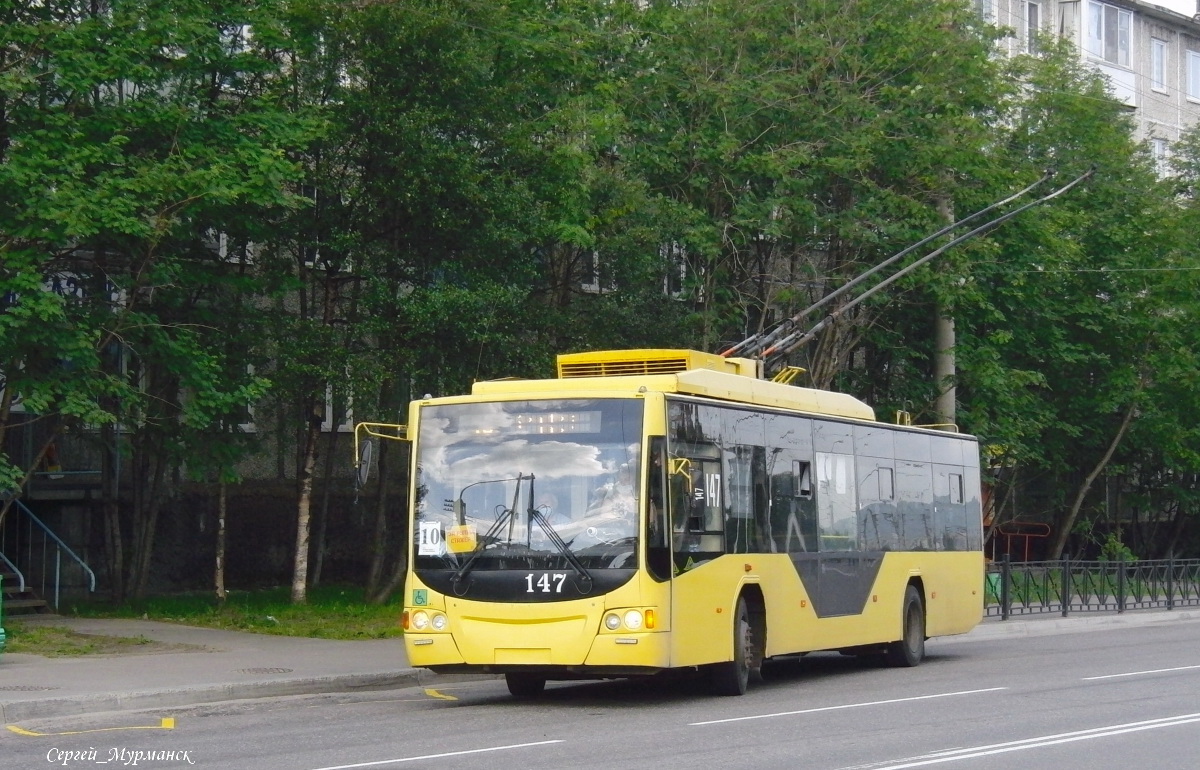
pixel 793 514
pixel 915 500
pixel 951 518
pixel 836 503
pixel 880 528
pixel 697 509
pixel 703 499
pixel 739 526
pixel 748 525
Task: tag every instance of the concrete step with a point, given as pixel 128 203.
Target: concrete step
pixel 25 606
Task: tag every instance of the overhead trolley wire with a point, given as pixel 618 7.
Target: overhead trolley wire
pixel 757 343
pixel 781 346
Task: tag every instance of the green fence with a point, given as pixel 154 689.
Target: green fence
pixel 1066 586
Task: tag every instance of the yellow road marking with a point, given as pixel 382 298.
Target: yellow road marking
pixel 436 694
pixel 167 723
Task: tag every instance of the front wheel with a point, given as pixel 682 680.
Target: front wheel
pixel 525 685
pixel 732 677
pixel 910 650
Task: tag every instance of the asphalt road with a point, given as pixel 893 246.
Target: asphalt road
pixel 1108 698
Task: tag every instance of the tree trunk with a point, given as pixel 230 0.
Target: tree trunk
pixel 323 519
pixel 113 542
pixel 219 570
pixel 395 579
pixel 1068 521
pixel 379 537
pixel 304 503
pixel 1177 524
pixel 144 547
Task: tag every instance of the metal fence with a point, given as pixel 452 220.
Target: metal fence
pixel 1065 586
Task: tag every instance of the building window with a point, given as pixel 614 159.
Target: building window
pixel 1158 151
pixel 229 249
pixel 1158 64
pixel 16 405
pixel 1109 30
pixel 246 415
pixel 1033 25
pixel 985 10
pixel 596 275
pixel 339 411
pixel 1193 74
pixel 676 269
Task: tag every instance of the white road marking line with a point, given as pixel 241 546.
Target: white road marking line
pixel 880 764
pixel 847 706
pixel 437 756
pixel 1140 673
pixel 1037 743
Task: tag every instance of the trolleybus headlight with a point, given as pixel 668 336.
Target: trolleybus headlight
pixel 439 622
pixel 612 621
pixel 633 620
pixel 420 620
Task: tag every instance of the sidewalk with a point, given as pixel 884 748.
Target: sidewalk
pixel 229 665
pixel 1048 623
pixel 214 666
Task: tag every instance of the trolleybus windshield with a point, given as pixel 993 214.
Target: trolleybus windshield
pixel 528 500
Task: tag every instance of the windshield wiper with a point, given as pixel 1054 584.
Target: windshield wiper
pixel 488 537
pixel 563 548
pixel 508 516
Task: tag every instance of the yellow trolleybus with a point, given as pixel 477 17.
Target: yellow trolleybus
pixel 660 509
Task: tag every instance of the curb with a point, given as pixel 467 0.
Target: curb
pixel 1046 625
pixel 193 696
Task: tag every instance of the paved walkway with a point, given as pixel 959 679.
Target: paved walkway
pixel 208 665
pixel 229 665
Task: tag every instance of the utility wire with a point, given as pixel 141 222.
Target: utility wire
pixel 794 340
pixel 757 343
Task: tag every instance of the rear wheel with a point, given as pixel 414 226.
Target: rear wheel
pixel 525 685
pixel 910 650
pixel 732 677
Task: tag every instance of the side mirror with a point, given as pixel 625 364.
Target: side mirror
pixel 364 447
pixel 366 454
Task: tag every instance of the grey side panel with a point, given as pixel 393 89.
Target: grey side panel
pixel 838 583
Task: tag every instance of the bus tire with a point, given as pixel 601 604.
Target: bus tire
pixel 732 677
pixel 525 686
pixel 909 651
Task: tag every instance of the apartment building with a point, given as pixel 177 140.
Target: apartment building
pixel 1149 52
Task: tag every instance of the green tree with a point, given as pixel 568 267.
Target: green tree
pixel 126 128
pixel 803 143
pixel 467 180
pixel 1063 317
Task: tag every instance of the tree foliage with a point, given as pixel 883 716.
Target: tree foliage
pixel 295 203
pixel 129 133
